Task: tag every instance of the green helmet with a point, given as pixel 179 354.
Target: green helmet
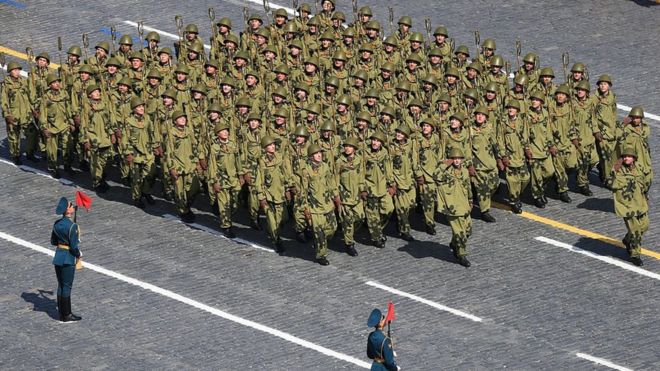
pixel 475 66
pixel 290 27
pixel 125 40
pixel 90 89
pixel 136 55
pixel 388 66
pixel 212 63
pixel 430 79
pixel 165 50
pixel 441 30
pixel 435 52
pixel 314 21
pixel 444 98
pixel 452 71
pixel 416 36
pixel 301 86
pixel 126 82
pixel 51 78
pixel 415 102
pixel 462 49
pixel 372 25
pixel 314 108
pixel 403 85
pixel 629 151
pixel 414 57
pixel 404 129
pixel 578 67
pixel 349 32
pixel 332 81
pixel 327 35
pixel 270 48
pixel 636 111
pixel 231 38
pixel 74 50
pixel 378 135
pixel 391 40
pixel 471 93
pixel 43 55
pixel 492 87
pixel 86 68
pixel 340 55
pixel 281 91
pixel 604 78
pixel 366 47
pixel 328 126
pixel 305 8
pixel 199 88
pixel 103 45
pixel 365 10
pixel 512 103
pixel 196 47
pixel 243 102
pixel 351 141
pixel 254 116
pixel 537 95
pixel 255 16
pixel 281 13
pixel 282 68
pixel 280 112
pixel 489 44
pixel 482 109
pixel 520 79
pixel 169 93
pixel 547 71
pixel 460 116
pixel 343 99
pixel 181 68
pixel 405 20
pixel 497 61
pixel 220 126
pixel 13 65
pixel 428 121
pixel 136 101
pixel 266 141
pixel 301 131
pixel 242 55
pixel 228 81
pixel 564 89
pixel 214 107
pixel 530 58
pixel 312 60
pixel 583 85
pixel 295 43
pixel 363 116
pixel 263 32
pixel 313 148
pixel 178 113
pixel 362 75
pixel 153 36
pixel 338 15
pixel 456 152
pixel 192 28
pixel 388 110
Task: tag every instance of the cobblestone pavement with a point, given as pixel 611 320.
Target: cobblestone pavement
pixel 539 304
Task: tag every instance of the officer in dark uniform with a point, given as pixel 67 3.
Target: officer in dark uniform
pixel 65 236
pixel 379 346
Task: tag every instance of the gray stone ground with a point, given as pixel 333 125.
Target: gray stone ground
pixel 540 304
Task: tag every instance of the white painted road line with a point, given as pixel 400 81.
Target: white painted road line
pixel 196 304
pixel 602 361
pixel 36 171
pixel 425 301
pixel 607 259
pixel 217 233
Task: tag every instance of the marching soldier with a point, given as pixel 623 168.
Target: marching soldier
pixel 349 171
pixel 380 187
pixel 429 161
pixel 606 120
pixel 513 148
pixel 403 152
pixel 16 110
pixel 636 133
pixel 56 122
pixel 541 148
pixel 98 124
pixel 586 127
pixel 564 134
pixel 483 175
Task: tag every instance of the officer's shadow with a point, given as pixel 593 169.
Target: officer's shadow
pixel 428 249
pixel 42 302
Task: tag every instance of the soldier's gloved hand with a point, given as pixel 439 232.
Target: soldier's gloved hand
pixel 76 120
pixel 203 164
pixel 247 178
pixel 129 159
pixel 472 171
pixel 576 143
pixel 599 137
pixel 617 165
pixel 420 180
pixel 392 190
pixel 217 188
pixel 528 154
pixel 174 174
pixel 263 204
pixel 46 133
pixel 88 146
pixel 500 164
pixel 364 195
pixel 9 119
pixel 553 151
pixel 118 133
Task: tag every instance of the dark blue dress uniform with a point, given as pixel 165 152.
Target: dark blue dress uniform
pixel 379 346
pixel 65 236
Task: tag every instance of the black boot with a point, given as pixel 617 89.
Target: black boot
pixel 32 157
pixel 83 166
pixel 149 198
pixel 214 209
pixel 462 260
pixel 637 261
pixel 487 217
pixel 139 203
pixel 406 237
pixel 60 308
pixel 564 197
pixel 17 160
pixel 516 207
pixel 300 237
pixel 68 316
pixel 350 250
pixel 323 261
pixel 538 202
pixel 279 246
pixel 586 191
pixel 430 229
pixel 228 232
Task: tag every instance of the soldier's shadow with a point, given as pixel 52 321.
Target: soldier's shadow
pixel 41 302
pixel 428 249
pixel 598 204
pixel 602 248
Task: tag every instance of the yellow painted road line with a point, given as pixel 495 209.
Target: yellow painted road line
pixel 576 230
pixel 23 56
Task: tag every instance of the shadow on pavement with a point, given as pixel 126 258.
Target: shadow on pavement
pixel 42 302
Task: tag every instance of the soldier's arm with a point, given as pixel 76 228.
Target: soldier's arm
pixel 259 181
pixel 388 355
pixel 74 240
pixel 4 99
pixel 43 114
pixel 212 169
pixel 84 124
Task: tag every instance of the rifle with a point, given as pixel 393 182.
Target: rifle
pixel 113 38
pixel 246 17
pixel 33 70
pixel 85 41
pixel 391 18
pixel 179 29
pixel 140 29
pixel 59 50
pixel 427 26
pixel 3 61
pixel 477 41
pixel 267 9
pixel 518 52
pixel 296 13
pixel 564 63
pixel 355 12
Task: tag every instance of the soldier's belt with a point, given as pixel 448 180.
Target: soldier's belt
pixel 379 360
pixel 63 247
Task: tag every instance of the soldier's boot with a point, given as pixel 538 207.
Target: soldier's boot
pixel 84 165
pixel 350 250
pixel 149 198
pixel 300 236
pixel 636 260
pixel 538 202
pixel 17 160
pixel 215 209
pixel 254 224
pixel 187 217
pixel 564 197
pixel 406 237
pixel 279 246
pixel 228 232
pixel 323 260
pixel 462 260
pixel 139 203
pixel 626 243
pixel 487 217
pixel 516 207
pixel 586 191
pixel 380 243
pixel 66 307
pixel 430 229
pixel 32 158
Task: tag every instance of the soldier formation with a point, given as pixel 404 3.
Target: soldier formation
pixel 325 123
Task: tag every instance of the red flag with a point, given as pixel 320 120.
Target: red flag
pixel 83 200
pixel 390 312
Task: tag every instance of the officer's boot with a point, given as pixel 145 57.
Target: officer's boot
pixel 68 316
pixel 60 309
